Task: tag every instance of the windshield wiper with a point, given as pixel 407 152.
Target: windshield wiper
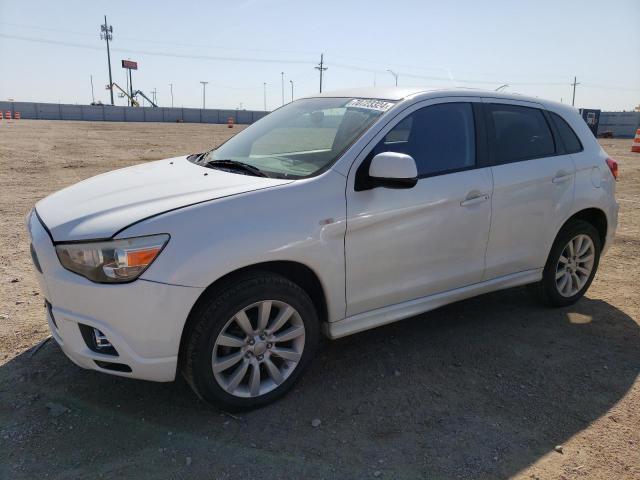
pixel 234 164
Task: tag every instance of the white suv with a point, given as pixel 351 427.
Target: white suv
pixel 334 214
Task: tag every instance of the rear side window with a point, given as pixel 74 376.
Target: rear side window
pixel 568 137
pixel 440 138
pixel 520 133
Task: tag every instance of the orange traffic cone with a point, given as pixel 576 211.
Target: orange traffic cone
pixel 230 122
pixel 635 146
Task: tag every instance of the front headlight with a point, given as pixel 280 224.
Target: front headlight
pixel 113 261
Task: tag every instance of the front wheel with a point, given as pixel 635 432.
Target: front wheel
pixel 251 342
pixel 572 264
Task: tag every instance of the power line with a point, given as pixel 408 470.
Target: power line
pixel 158 53
pixel 296 62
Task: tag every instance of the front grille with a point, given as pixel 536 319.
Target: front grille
pixel 96 340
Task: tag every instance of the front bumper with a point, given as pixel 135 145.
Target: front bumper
pixel 143 320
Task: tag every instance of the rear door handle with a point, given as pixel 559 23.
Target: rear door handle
pixel 562 177
pixel 474 200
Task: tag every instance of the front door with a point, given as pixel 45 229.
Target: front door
pixel 403 244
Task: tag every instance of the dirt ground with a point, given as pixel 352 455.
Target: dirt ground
pixel 486 388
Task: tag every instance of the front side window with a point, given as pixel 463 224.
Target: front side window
pixel 440 138
pixel 520 133
pixel 301 138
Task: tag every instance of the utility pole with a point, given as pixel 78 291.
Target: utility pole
pixel 155 95
pixel 171 89
pixel 575 82
pixel 291 82
pixel 282 74
pixel 106 33
pixel 204 89
pixel 395 75
pixel 321 68
pixel 264 91
pixel 93 98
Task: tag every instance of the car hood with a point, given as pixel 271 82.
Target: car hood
pixel 102 205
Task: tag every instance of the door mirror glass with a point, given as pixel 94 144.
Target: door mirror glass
pixel 393 170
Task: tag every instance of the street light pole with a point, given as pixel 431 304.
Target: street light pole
pixel 264 89
pixel 171 89
pixel 395 75
pixel 291 82
pixel 204 89
pixel 282 74
pixel 93 98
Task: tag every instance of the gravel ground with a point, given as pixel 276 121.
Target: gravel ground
pixel 493 387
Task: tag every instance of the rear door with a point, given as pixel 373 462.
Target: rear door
pixel 533 186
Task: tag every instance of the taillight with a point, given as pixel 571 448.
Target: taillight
pixel 613 166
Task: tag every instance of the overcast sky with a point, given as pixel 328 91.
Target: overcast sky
pixel 49 49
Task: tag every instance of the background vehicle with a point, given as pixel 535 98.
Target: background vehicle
pixel 333 214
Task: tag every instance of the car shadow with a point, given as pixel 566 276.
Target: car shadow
pixel 482 388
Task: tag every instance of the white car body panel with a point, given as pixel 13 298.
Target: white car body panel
pixel 139 318
pixel 531 200
pixel 424 241
pixel 380 255
pixel 310 232
pixel 100 206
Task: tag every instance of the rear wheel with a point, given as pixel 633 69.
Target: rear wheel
pixel 572 264
pixel 251 342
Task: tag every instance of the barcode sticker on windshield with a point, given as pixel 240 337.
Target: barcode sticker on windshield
pixel 370 104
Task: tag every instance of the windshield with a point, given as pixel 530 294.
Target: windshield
pixel 300 139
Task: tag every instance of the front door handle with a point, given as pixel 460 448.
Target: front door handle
pixel 474 200
pixel 562 177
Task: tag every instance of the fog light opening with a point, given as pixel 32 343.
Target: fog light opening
pixel 96 340
pixel 102 342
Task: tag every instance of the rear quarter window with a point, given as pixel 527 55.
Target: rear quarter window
pixel 568 137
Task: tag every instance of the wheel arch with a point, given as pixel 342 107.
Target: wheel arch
pixel 296 272
pixel 592 215
pixel 596 217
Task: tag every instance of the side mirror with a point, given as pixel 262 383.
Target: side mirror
pixel 393 170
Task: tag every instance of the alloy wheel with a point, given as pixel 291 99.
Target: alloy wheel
pixel 258 348
pixel 575 265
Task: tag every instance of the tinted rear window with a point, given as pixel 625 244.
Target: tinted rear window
pixel 568 137
pixel 520 133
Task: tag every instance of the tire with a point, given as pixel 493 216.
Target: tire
pixel 551 290
pixel 222 370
